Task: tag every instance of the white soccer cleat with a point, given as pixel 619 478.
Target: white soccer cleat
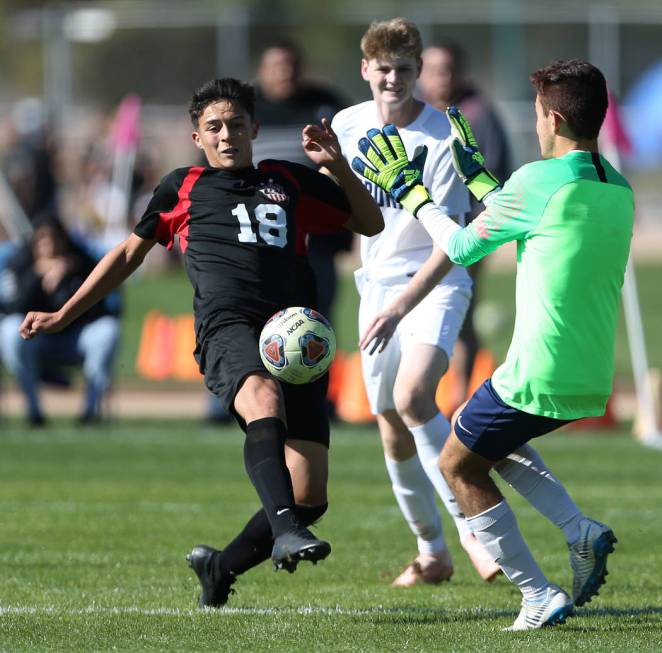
pixel 552 609
pixel 588 559
pixel 487 569
pixel 426 569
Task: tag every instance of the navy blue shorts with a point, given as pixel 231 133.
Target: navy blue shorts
pixel 493 429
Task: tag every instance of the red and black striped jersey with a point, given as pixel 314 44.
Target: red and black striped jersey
pixel 243 235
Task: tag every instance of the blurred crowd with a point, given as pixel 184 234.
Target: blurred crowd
pixel 77 184
pixel 91 193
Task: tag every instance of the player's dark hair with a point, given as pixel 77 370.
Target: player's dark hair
pixel 217 90
pixel 577 90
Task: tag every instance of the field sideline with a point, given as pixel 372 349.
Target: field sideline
pixel 94 526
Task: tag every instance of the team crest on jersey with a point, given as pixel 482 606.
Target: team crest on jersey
pixel 273 191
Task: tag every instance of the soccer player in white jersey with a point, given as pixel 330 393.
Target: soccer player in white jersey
pixel 413 302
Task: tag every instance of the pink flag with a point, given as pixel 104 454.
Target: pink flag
pixel 613 130
pixel 126 130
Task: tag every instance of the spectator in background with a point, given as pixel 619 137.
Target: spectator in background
pixel 444 82
pixel 29 161
pixel 41 275
pixel 284 103
pixel 285 99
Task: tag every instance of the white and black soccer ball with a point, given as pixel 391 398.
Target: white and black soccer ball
pixel 297 345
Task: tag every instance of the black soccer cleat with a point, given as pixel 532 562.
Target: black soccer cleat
pixel 294 546
pixel 216 586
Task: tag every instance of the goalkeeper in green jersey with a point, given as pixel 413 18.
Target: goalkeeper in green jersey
pixel 571 215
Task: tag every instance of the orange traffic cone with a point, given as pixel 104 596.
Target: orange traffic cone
pixel 336 374
pixel 154 359
pixel 450 394
pixel 449 391
pixel 484 366
pixel 352 403
pixel 184 365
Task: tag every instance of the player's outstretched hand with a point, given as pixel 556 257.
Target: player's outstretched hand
pixel 380 331
pixel 468 161
pixel 387 165
pixel 321 145
pixel 35 323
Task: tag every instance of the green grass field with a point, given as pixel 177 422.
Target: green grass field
pixel 95 523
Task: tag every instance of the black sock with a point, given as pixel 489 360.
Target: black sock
pixel 264 456
pixel 253 545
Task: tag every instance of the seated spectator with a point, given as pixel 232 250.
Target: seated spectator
pixel 41 275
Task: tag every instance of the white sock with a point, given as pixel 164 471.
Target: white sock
pixel 430 438
pixel 525 471
pixel 415 496
pixel 497 530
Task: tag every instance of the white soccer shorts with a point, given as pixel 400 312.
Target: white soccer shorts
pixel 436 320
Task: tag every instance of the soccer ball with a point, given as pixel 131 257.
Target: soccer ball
pixel 297 345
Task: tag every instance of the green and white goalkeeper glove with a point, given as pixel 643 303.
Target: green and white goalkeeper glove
pixel 468 162
pixel 390 168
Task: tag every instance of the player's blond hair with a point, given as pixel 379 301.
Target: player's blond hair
pixel 397 37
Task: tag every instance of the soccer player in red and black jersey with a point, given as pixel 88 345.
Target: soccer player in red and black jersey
pixel 243 231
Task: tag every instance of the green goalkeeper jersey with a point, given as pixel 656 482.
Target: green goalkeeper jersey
pixel 572 219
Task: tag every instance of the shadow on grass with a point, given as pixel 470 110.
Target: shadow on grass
pixel 618 612
pixel 422 616
pixel 635 618
pixel 416 615
pixel 429 615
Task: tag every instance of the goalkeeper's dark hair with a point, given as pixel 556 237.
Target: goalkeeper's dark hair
pixel 578 91
pixel 395 37
pixel 217 90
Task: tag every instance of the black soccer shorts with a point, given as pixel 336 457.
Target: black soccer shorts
pixel 232 353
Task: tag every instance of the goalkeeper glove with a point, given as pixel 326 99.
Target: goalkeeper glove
pixel 468 162
pixel 389 167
